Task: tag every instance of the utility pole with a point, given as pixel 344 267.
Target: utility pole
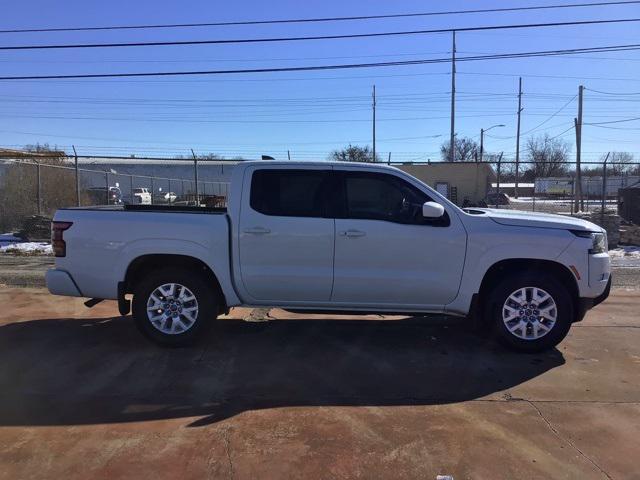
pixel 75 156
pixel 195 171
pixel 578 124
pixel 515 189
pixel 453 99
pixel 374 123
pixel 482 132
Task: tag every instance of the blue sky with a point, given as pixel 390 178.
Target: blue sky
pixel 310 113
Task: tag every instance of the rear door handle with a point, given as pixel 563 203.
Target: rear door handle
pixel 352 233
pixel 257 231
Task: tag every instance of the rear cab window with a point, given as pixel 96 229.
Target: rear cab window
pixel 289 192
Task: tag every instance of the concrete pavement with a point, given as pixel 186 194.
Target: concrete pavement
pixel 84 395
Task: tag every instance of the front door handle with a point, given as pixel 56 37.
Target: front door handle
pixel 257 231
pixel 353 233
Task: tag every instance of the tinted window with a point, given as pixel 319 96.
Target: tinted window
pixel 288 193
pixel 378 196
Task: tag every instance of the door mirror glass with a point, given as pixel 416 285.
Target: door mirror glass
pixel 432 210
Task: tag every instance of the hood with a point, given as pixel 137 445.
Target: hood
pixel 519 218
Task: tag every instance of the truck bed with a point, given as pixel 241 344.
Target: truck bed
pixel 153 208
pixel 123 233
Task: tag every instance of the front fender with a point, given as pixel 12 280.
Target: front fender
pixel 486 248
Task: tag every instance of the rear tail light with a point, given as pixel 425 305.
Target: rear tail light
pixel 57 240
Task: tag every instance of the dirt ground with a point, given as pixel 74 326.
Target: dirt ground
pixel 83 395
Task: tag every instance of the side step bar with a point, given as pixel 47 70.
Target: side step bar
pixel 92 302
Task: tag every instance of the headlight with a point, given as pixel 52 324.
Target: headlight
pixel 599 243
pixel 598 240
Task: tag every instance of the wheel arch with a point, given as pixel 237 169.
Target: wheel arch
pixel 529 265
pixel 144 264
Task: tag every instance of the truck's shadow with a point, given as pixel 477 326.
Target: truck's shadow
pixel 68 372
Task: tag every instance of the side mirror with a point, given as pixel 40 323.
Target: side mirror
pixel 432 210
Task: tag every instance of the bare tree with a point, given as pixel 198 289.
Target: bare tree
pixel 353 153
pixel 548 157
pixel 618 163
pixel 18 184
pixel 465 149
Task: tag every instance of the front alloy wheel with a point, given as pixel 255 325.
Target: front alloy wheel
pixel 529 313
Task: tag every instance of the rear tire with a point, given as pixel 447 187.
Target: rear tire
pixel 174 306
pixel 529 312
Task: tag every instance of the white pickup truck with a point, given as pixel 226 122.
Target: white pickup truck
pixel 333 237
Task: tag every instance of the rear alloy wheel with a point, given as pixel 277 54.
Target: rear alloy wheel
pixel 173 307
pixel 531 312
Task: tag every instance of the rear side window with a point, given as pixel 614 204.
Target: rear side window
pixel 288 193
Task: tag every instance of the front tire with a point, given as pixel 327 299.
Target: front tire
pixel 174 306
pixel 530 312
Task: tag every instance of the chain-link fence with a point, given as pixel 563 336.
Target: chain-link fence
pixel 39 185
pixel 596 187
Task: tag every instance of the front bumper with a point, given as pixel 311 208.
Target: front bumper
pixel 59 282
pixel 588 303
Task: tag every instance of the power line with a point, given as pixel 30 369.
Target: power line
pixel 615 121
pixel 543 53
pixel 316 37
pixel 182 119
pixel 317 20
pixel 616 128
pixel 368 77
pixel 528 75
pixel 612 93
pixel 552 116
pixel 563 133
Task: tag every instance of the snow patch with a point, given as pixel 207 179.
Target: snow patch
pixel 625 251
pixel 9 243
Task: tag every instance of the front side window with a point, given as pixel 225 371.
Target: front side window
pixel 379 196
pixel 288 193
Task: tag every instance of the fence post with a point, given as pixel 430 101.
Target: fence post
pixel 152 190
pixel 534 194
pixel 195 171
pixel 498 182
pixel 75 156
pixel 573 192
pixel 39 187
pixel 604 187
pixel 106 182
pixel 131 188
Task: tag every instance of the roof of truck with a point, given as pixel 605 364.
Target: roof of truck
pixel 317 163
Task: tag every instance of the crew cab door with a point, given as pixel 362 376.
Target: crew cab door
pixel 286 239
pixel 387 254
